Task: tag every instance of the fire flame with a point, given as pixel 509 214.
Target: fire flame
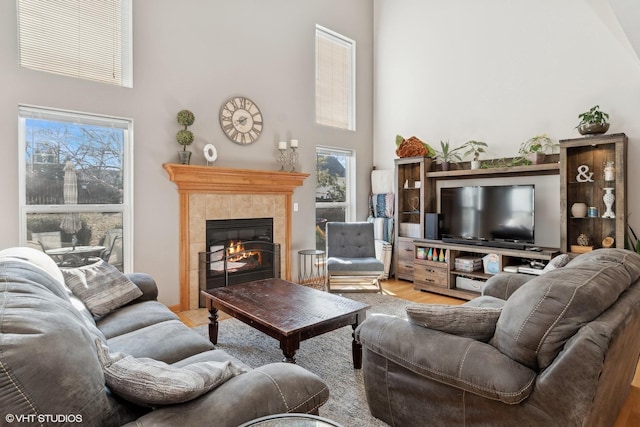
pixel 236 252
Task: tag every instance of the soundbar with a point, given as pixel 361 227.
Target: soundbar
pixel 488 243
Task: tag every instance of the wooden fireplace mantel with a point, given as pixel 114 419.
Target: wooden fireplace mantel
pixel 217 180
pixel 211 179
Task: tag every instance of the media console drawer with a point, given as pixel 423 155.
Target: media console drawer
pixel 431 273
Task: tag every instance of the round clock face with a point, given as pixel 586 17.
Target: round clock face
pixel 241 120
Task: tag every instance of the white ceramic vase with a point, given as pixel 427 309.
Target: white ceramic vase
pixel 608 199
pixel 578 210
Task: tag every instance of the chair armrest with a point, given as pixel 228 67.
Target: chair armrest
pixel 503 285
pixel 147 285
pixel 460 362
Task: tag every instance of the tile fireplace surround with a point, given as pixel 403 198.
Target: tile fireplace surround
pixel 209 192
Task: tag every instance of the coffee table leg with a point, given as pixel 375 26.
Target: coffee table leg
pixel 289 348
pixel 356 350
pixel 213 324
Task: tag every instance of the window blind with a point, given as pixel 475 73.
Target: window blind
pixel 89 39
pixel 335 79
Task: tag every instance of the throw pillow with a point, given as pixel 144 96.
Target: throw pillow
pixel 478 323
pixel 149 382
pixel 101 287
pixel 557 262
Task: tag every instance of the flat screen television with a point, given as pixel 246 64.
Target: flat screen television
pixel 499 213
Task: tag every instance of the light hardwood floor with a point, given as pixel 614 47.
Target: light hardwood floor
pixel 629 414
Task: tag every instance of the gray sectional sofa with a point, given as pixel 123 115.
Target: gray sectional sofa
pixel 558 349
pixel 50 366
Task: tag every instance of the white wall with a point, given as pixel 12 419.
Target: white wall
pixel 195 54
pixel 501 71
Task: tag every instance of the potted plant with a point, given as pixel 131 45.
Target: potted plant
pixel 593 122
pixel 475 148
pixel 185 136
pixel 447 155
pixel 534 150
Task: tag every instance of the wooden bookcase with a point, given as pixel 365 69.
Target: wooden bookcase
pixel 414 197
pixel 582 180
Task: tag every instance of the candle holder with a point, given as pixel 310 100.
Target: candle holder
pixel 293 158
pixel 283 158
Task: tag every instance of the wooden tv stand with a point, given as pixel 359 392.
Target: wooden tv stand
pixel 440 277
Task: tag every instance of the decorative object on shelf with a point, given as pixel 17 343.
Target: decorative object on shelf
pixel 446 155
pixel 441 257
pixel 413 147
pixel 583 239
pixel 608 242
pixel 282 158
pixel 430 254
pixel 592 212
pixel 435 254
pixel 185 136
pixel 609 171
pixel 593 122
pixel 534 150
pixel 414 203
pixel 608 200
pixel 293 157
pixel 583 174
pixel 578 210
pixel 475 148
pixel 241 120
pixel 210 153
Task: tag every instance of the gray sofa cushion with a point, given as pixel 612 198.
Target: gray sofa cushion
pixel 167 341
pixel 540 316
pixel 150 382
pixel 132 317
pixel 101 287
pixel 465 321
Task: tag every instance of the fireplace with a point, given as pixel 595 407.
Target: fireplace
pixel 238 251
pixel 213 192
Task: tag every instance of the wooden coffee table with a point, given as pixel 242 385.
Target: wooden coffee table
pixel 286 311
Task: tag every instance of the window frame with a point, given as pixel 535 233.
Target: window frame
pixel 350 181
pixel 77 39
pixel 125 208
pixel 350 77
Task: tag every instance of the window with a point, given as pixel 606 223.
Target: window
pixel 335 188
pixel 76 186
pixel 335 80
pixel 89 39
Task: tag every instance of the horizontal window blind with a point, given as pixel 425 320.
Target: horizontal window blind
pixel 335 79
pixel 89 39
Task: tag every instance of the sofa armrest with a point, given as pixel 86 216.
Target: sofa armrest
pixel 270 389
pixel 503 285
pixel 460 362
pixel 147 285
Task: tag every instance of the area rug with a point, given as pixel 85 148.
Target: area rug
pixel 328 356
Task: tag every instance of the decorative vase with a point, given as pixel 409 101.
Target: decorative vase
pixel 593 128
pixel 475 164
pixel 445 166
pixel 578 210
pixel 536 158
pixel 608 199
pixel 184 157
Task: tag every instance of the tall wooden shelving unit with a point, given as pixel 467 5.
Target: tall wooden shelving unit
pixel 579 158
pixel 414 197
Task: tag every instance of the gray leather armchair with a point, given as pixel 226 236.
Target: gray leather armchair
pixel 562 352
pixel 351 256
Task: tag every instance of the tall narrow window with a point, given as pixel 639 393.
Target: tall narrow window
pixel 76 186
pixel 89 39
pixel 335 79
pixel 335 188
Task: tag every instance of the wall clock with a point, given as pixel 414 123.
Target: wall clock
pixel 241 120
